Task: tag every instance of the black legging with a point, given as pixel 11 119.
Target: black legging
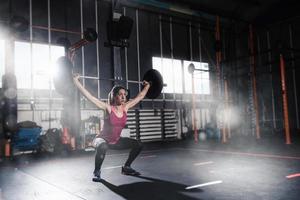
pixel 123 143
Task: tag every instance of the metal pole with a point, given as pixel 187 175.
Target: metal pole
pixel 82 49
pixel 172 55
pixel 97 48
pixel 199 43
pixel 126 58
pixel 271 81
pixel 161 48
pixel 50 56
pixel 218 74
pixel 294 77
pixel 31 56
pixel 227 113
pixel 194 110
pixel 226 96
pixel 218 55
pixel 200 53
pixel 253 69
pixel 193 89
pixel 138 46
pixel 285 101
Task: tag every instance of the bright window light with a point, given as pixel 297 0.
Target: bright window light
pixel 157 63
pixel 171 70
pixel 177 76
pixel 201 78
pixel 34 66
pixel 55 52
pixel 40 66
pixel 23 65
pixel 2 59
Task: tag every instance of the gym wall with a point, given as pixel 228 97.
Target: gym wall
pixel 158 32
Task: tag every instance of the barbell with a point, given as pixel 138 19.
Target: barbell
pixel 192 68
pixel 63 80
pixel 89 35
pixel 156 83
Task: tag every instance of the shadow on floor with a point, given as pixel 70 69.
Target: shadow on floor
pixel 152 189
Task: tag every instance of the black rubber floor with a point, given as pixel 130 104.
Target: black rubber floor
pixel 173 170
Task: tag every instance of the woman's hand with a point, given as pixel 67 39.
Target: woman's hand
pixel 146 83
pixel 76 77
pixel 139 97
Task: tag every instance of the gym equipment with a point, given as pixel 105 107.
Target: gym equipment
pixel 27 139
pixel 156 81
pixel 63 80
pixel 118 31
pixel 89 35
pixel 191 68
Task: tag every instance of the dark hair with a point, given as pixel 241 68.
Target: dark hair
pixel 113 93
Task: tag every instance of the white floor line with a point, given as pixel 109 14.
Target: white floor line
pixel 113 167
pixel 142 153
pixel 257 155
pixel 203 163
pixel 204 184
pixel 150 156
pixel 117 154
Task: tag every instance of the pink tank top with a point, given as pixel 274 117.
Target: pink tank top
pixel 113 126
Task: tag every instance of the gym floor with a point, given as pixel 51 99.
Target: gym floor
pixel 247 169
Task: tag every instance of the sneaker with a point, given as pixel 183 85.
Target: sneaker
pixel 126 170
pixel 97 176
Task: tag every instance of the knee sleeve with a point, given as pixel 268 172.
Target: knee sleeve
pixel 101 150
pixel 97 142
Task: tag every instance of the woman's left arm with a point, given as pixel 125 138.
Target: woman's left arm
pixel 131 103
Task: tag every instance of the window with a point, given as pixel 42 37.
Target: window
pixel 174 70
pixel 22 65
pixel 171 71
pixel 34 66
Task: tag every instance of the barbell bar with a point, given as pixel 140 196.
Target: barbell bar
pixel 89 35
pixel 191 69
pixel 63 80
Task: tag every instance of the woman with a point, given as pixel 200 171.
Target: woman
pixel 116 111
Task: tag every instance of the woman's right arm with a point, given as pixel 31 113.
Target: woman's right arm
pixel 89 96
